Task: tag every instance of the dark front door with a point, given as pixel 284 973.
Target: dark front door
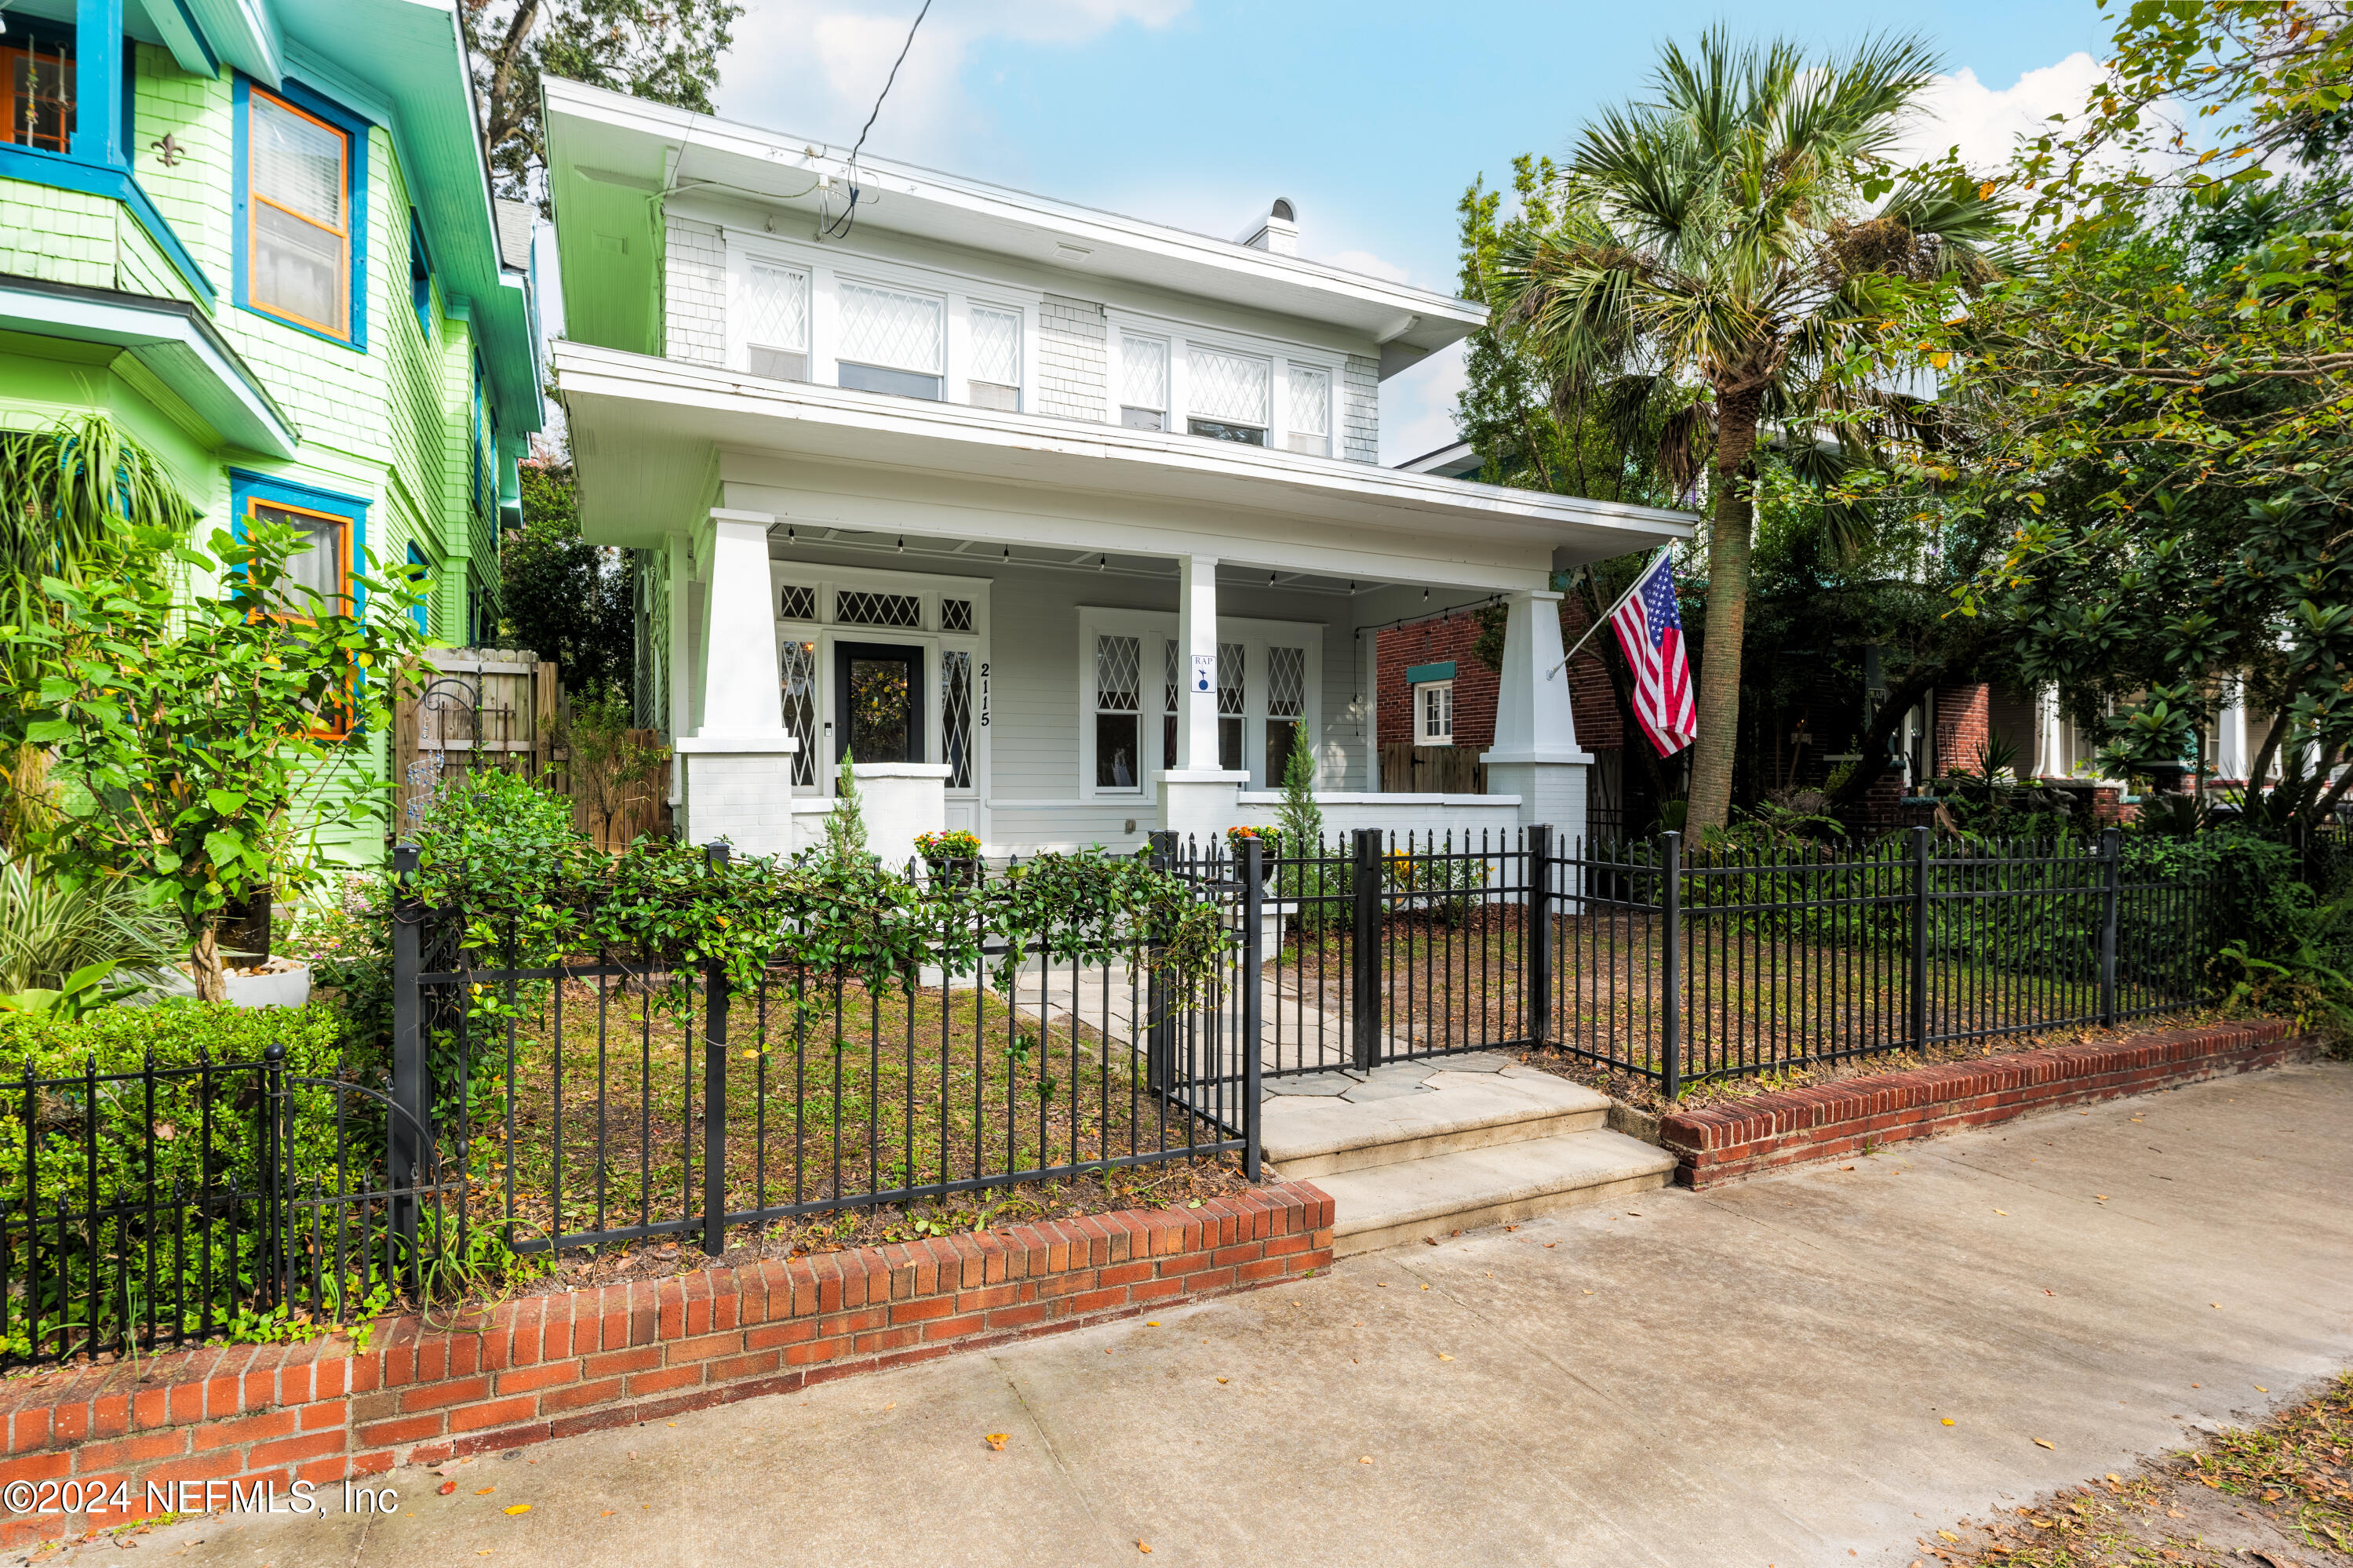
pixel 878 702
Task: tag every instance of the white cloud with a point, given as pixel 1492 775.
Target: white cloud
pixel 813 67
pixel 1985 123
pixel 1417 406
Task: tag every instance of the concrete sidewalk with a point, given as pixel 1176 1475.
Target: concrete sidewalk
pixel 1756 1376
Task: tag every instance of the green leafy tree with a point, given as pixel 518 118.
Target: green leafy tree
pixel 565 598
pixel 666 50
pixel 2158 409
pixel 187 728
pixel 1731 233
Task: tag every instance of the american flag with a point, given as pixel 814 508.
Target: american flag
pixel 1651 629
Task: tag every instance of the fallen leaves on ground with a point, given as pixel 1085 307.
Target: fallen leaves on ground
pixel 519 1508
pixel 996 1440
pixel 2291 1477
pixel 446 1487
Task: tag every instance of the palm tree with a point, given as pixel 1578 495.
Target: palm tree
pixel 1736 234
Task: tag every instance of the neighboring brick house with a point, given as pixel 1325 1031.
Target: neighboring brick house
pixel 261 236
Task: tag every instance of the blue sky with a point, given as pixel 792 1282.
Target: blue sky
pixel 1371 116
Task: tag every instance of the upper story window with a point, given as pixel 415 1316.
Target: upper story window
pixel 891 340
pixel 996 377
pixel 1228 395
pixel 1142 382
pixel 420 277
pixel 1225 387
pixel 776 335
pixel 302 187
pixel 1310 410
pixel 37 90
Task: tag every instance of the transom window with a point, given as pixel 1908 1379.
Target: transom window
pixel 955 614
pixel 776 334
pixel 298 222
pixel 36 92
pixel 798 602
pixel 891 340
pixel 855 607
pixel 1433 714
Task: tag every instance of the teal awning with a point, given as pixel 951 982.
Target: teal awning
pixel 1415 674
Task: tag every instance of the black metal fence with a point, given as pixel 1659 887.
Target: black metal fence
pixel 586 1099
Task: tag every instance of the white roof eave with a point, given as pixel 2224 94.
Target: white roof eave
pixel 671 400
pixel 928 203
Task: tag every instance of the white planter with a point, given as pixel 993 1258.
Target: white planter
pixel 284 983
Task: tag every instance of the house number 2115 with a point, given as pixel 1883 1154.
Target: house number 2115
pixel 984 695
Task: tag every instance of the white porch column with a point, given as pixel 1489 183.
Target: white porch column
pixel 679 662
pixel 736 769
pixel 1535 755
pixel 2050 735
pixel 2231 734
pixel 1197 796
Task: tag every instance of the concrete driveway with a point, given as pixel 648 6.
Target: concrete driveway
pixel 1756 1376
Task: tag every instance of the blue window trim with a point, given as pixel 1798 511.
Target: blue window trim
pixel 245 487
pixel 97 175
pixel 419 571
pixel 420 277
pixel 351 125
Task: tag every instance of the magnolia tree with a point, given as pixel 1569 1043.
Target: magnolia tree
pixel 197 726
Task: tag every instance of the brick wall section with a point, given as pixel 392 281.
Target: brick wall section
pixel 1964 723
pixel 551 1366
pixel 1475 686
pixel 1835 1120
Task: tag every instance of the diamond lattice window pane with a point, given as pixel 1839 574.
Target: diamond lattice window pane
pixel 800 708
pixel 1286 682
pixel 862 609
pixel 1311 401
pixel 800 603
pixel 997 345
pixel 955 614
pixel 956 716
pixel 1117 662
pixel 1143 372
pixel 1230 677
pixel 1170 689
pixel 778 309
pixel 1227 386
pixel 885 327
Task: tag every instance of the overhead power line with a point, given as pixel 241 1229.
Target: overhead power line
pixel 842 224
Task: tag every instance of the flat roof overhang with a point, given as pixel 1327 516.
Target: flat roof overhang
pixel 657 440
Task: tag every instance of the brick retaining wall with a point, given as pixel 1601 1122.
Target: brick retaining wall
pixel 1835 1120
pixel 549 1366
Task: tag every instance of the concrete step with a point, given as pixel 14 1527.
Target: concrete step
pixel 1413 1111
pixel 1383 1205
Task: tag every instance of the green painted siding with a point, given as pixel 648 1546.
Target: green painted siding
pixel 394 426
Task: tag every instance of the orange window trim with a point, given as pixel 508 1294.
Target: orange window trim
pixel 341 727
pixel 8 89
pixel 253 230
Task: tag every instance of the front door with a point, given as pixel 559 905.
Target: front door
pixel 878 702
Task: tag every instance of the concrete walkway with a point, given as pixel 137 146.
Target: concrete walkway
pixel 1756 1376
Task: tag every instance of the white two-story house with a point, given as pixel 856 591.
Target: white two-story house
pixel 1065 526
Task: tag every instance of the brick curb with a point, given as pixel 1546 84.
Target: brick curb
pixel 551 1366
pixel 1797 1126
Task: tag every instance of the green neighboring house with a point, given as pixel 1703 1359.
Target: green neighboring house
pixel 261 234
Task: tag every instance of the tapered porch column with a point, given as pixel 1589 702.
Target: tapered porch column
pixel 2230 750
pixel 1197 796
pixel 736 769
pixel 1535 755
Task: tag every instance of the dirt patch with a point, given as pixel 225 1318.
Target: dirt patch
pixel 1179 1184
pixel 2276 1494
pixel 1643 1093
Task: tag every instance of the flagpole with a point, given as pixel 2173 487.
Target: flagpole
pixel 1640 578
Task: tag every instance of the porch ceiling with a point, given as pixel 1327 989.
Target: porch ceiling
pixel 648 432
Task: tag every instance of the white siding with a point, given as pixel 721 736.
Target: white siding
pixel 694 288
pixel 1360 411
pixel 1071 355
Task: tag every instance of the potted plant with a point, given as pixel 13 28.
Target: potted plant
pixel 952 858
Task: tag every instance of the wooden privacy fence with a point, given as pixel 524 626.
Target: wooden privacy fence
pixel 1408 769
pixel 504 709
